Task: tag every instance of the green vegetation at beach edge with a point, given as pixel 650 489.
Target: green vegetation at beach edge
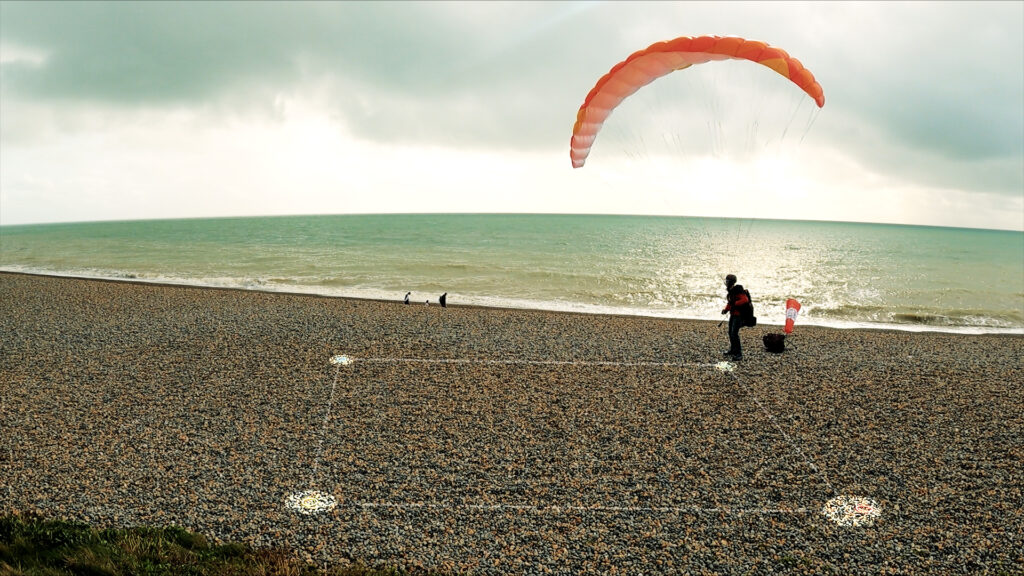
pixel 31 545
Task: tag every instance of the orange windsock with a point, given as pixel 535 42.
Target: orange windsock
pixel 792 308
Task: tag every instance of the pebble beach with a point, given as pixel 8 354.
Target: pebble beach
pixel 503 441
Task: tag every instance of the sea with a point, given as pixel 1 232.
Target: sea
pixel 845 275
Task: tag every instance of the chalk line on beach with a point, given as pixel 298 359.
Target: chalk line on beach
pixel 338 361
pixel 484 361
pixel 312 501
pixel 810 464
pixel 556 509
pixel 841 509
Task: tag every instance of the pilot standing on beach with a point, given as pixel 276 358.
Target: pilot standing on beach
pixel 736 301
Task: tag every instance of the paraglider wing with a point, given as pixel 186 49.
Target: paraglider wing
pixel 657 60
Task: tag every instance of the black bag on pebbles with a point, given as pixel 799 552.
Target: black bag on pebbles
pixel 775 343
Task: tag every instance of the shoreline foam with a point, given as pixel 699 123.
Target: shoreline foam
pixel 517 304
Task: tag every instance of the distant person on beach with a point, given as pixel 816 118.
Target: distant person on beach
pixel 407 294
pixel 736 304
pixel 444 300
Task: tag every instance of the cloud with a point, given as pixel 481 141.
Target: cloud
pixel 938 97
pixel 399 70
pixel 927 94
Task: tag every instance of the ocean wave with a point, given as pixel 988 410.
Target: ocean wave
pixel 704 307
pixel 951 319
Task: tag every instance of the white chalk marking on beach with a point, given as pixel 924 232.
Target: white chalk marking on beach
pixel 10 445
pixel 380 360
pixel 311 502
pixel 556 509
pixel 863 513
pixel 852 511
pixel 341 360
pixel 327 417
pixel 725 367
pixel 789 440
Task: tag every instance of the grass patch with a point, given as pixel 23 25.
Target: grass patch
pixel 34 546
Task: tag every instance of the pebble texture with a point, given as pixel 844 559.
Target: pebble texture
pixel 125 404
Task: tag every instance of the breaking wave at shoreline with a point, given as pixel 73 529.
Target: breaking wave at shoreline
pixel 843 317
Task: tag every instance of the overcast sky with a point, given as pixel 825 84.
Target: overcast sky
pixel 162 110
